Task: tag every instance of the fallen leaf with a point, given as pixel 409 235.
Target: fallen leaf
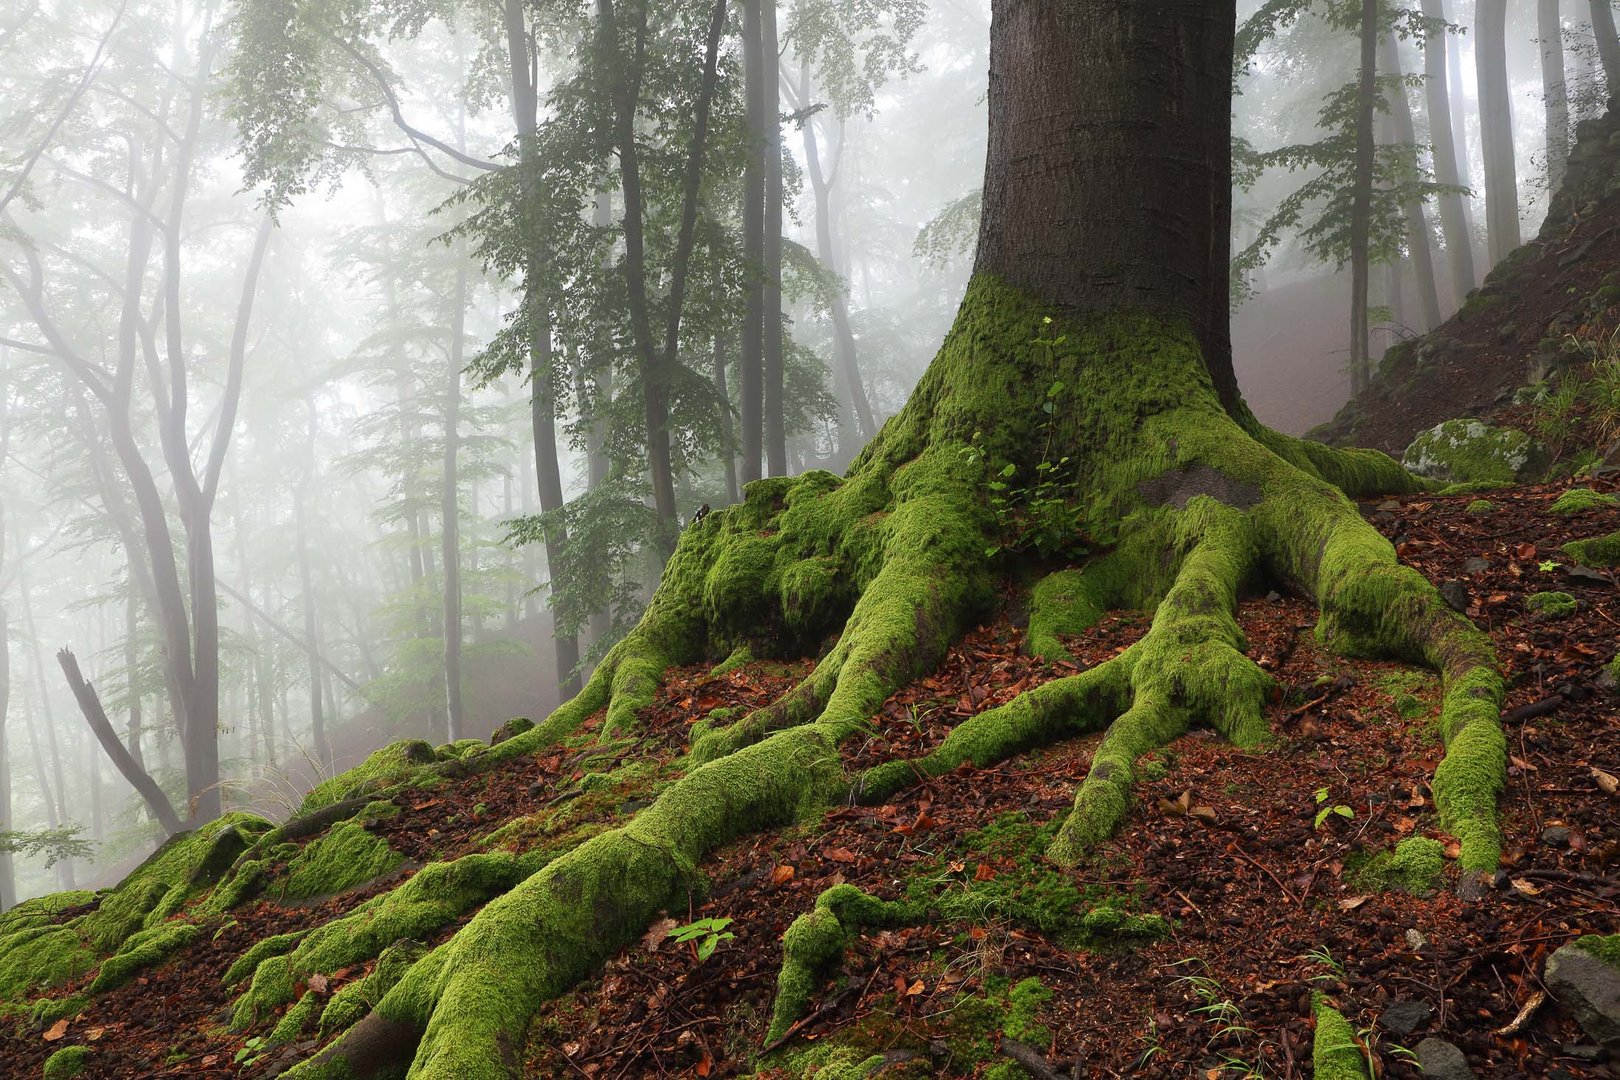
pixel 318 983
pixel 657 933
pixel 843 855
pixel 1524 886
pixel 1178 806
pixel 1608 782
pixel 985 872
pixel 1523 764
pixel 956 867
pixel 914 989
pixel 1350 903
pixel 782 874
pixel 425 805
pixel 978 933
pixel 1203 813
pixel 705 1066
pixel 94 1034
pixel 56 1031
pixel 1452 850
pixel 1525 551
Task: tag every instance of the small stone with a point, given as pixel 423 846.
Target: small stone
pixel 1555 836
pixel 1456 596
pixel 1476 566
pixel 1273 596
pixel 1404 1017
pixel 1441 1059
pixel 1583 1051
pixel 1590 989
pixel 1415 939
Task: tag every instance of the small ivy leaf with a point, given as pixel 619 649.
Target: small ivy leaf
pixel 1048 407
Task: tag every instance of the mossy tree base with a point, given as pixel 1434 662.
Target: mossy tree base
pixel 1192 506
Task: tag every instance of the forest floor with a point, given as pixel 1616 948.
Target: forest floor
pixel 1262 865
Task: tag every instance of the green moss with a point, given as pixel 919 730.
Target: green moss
pixel 1024 1004
pixel 393 764
pixel 1602 552
pixel 740 657
pixel 143 950
pixel 1606 949
pixel 39 959
pixel 358 998
pixel 41 911
pixel 1335 1053
pixel 1579 500
pixel 296 1019
pixel 1466 450
pixel 1481 506
pixel 816 939
pixel 1551 605
pixel 245 965
pixel 1416 866
pixel 66 1063
pixel 1475 487
pixel 1061 603
pixel 346 856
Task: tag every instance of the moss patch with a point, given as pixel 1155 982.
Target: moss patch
pixel 1466 451
pixel 1481 506
pixel 143 950
pixel 1604 948
pixel 1335 1054
pixel 1602 552
pixel 1416 866
pixel 346 856
pixel 1061 603
pixel 66 1063
pixel 393 764
pixel 1551 605
pixel 1579 500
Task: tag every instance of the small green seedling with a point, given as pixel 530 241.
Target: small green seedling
pixel 1325 811
pixel 1548 566
pixel 704 936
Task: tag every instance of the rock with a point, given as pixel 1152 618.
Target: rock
pixel 1583 1051
pixel 1415 938
pixel 1465 451
pixel 1456 596
pixel 1404 1017
pixel 1590 989
pixel 1555 836
pixel 1476 566
pixel 1441 1059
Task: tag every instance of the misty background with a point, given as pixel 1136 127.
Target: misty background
pixel 268 321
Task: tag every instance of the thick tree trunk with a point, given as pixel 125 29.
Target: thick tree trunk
pixel 1361 203
pixel 1418 241
pixel 1496 130
pixel 1608 44
pixel 1453 210
pixel 751 364
pixel 1555 89
pixel 1125 203
pixel 770 88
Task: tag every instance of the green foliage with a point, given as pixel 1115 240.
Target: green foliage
pixel 1335 1052
pixel 1598 551
pixel 1551 605
pixel 66 842
pixel 704 935
pixel 1580 500
pixel 1327 809
pixel 1415 866
pixel 66 1063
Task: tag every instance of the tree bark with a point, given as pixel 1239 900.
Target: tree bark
pixel 450 509
pixel 751 364
pixel 1608 44
pixel 770 84
pixel 1453 210
pixel 1554 89
pixel 312 654
pixel 55 793
pixel 1125 204
pixel 542 388
pixel 1361 203
pixel 1418 240
pixel 139 779
pixel 8 874
pixel 1496 130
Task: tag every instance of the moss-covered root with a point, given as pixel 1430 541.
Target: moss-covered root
pixel 816 939
pixel 1190 665
pixel 1371 605
pixel 468 1003
pixel 1056 710
pixel 1066 602
pixel 1335 1053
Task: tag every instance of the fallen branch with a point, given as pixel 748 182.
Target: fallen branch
pixel 1029 1057
pixel 1533 710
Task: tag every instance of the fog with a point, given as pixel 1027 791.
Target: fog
pixel 274 282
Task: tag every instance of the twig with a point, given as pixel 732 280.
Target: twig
pixel 1029 1057
pixel 1267 871
pixel 1534 709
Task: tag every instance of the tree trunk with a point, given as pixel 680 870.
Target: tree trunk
pixel 132 732
pixel 1608 44
pixel 1361 203
pixel 770 84
pixel 8 874
pixel 853 404
pixel 1496 130
pixel 1555 89
pixel 1453 209
pixel 450 510
pixel 57 790
pixel 1419 242
pixel 306 585
pixel 1077 215
pixel 751 364
pixel 542 387
pixel 728 435
pixel 90 705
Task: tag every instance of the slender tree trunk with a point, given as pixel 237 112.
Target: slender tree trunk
pixel 1075 214
pixel 8 874
pixel 1496 129
pixel 58 816
pixel 1418 240
pixel 751 364
pixel 139 779
pixel 770 88
pixel 727 434
pixel 1453 209
pixel 306 585
pixel 856 425
pixel 542 387
pixel 132 730
pixel 1361 202
pixel 1555 89
pixel 450 511
pixel 1608 44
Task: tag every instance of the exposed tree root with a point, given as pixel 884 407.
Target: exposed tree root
pixel 1193 506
